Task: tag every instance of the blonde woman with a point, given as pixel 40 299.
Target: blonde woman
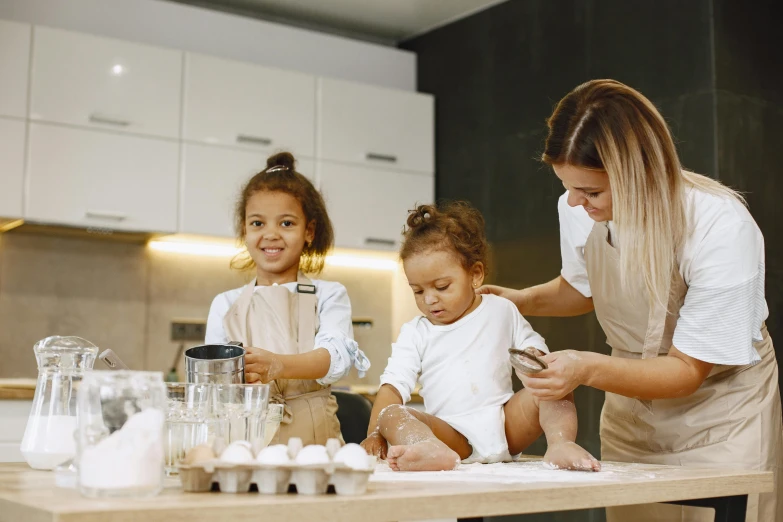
pixel 673 265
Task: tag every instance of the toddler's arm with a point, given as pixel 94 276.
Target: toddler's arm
pixel 375 444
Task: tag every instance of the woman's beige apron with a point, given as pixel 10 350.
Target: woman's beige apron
pixel 280 321
pixel 732 421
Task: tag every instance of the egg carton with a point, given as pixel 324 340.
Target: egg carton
pixel 309 479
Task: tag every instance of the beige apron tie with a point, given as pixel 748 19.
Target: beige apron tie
pixel 716 426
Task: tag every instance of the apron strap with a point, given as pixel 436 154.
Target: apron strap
pixel 232 317
pixel 307 308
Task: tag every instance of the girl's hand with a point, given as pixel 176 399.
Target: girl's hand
pixel 375 444
pixel 262 366
pixel 518 297
pixel 565 373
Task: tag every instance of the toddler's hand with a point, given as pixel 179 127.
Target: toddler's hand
pixel 261 366
pixel 376 445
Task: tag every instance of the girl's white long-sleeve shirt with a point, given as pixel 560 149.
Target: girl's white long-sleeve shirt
pixel 335 331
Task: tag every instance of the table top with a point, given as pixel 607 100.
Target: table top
pixel 32 496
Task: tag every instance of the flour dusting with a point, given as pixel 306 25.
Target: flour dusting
pixel 514 473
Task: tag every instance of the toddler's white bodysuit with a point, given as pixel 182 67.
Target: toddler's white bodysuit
pixel 464 371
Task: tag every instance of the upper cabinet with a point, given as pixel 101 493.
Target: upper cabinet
pixel 14 67
pixel 369 206
pixel 373 126
pixel 88 178
pixel 212 178
pixel 249 106
pixel 103 83
pixel 12 134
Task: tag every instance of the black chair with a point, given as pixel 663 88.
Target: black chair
pixel 353 412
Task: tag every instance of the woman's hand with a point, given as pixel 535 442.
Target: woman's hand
pixel 518 297
pixel 565 373
pixel 262 366
pixel 375 444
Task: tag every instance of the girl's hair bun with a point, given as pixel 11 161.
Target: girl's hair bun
pixel 281 159
pixel 421 215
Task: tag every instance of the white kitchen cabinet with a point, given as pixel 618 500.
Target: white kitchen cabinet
pixel 88 178
pixel 14 65
pixel 375 126
pixel 248 106
pixel 369 206
pixel 12 134
pixel 212 178
pixel 86 80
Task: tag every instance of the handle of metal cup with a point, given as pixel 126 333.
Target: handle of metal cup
pixel 526 360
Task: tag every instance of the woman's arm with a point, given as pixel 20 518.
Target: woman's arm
pixel 666 377
pixel 556 298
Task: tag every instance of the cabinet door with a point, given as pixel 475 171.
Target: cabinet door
pixel 368 207
pixel 245 105
pixel 104 83
pixel 11 167
pixel 212 180
pixel 14 65
pixel 88 178
pixel 375 126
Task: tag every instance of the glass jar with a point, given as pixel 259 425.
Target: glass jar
pixel 121 425
pixel 241 410
pixel 49 437
pixel 189 421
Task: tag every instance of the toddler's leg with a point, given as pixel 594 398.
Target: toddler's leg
pixel 527 417
pixel 420 442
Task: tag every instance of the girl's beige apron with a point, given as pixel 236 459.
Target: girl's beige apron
pixel 285 322
pixel 732 420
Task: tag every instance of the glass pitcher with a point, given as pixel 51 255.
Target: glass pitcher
pixel 49 438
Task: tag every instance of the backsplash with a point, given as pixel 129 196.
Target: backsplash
pixel 124 296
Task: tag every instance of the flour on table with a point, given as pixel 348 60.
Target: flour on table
pixel 514 473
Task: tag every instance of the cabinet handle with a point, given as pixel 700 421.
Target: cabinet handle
pixel 255 140
pixel 113 216
pixel 97 118
pixel 379 241
pixel 388 158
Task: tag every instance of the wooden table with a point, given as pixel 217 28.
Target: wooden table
pixel 31 496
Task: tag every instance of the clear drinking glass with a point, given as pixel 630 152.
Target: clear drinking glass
pixel 241 410
pixel 49 436
pixel 189 420
pixel 121 424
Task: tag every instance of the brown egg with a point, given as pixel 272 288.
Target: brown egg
pixel 200 453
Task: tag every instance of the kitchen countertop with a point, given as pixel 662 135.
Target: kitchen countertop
pixel 17 389
pixel 24 389
pixel 31 496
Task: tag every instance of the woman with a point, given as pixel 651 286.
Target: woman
pixel 673 265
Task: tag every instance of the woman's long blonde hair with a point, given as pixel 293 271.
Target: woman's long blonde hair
pixel 607 126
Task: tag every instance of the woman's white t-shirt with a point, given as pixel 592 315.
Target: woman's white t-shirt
pixel 335 330
pixel 722 263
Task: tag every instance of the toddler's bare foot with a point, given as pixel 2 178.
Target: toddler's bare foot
pixel 570 455
pixel 427 455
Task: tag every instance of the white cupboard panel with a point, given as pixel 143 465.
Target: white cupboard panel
pixel 14 66
pixel 88 178
pixel 11 167
pixel 86 80
pixel 248 106
pixel 212 180
pixel 368 207
pixel 376 126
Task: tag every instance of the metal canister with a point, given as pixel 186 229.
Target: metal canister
pixel 216 363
